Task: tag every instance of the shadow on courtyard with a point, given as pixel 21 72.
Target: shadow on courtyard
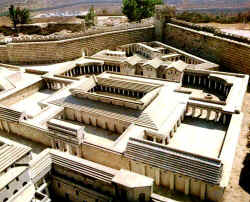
pixel 245 174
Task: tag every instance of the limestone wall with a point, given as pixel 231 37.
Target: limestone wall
pixel 105 157
pixel 69 49
pixel 173 181
pixel 227 53
pixel 21 94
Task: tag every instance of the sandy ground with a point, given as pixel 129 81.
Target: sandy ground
pixel 240 29
pixel 245 33
pixel 241 26
pixel 234 192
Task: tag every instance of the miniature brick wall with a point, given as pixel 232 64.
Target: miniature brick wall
pixel 65 50
pixel 231 55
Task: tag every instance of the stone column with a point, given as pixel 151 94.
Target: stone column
pixel 188 76
pixel 172 181
pixel 171 133
pixel 194 80
pixel 157 176
pixel 52 142
pixel 220 87
pixel 187 185
pixel 203 191
pixel 208 114
pixel 224 90
pixel 201 111
pixel 179 122
pixel 216 116
pixel 78 151
pixel 193 111
pixel 175 127
pixel 209 83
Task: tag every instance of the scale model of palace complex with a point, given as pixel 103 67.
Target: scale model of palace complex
pixel 127 124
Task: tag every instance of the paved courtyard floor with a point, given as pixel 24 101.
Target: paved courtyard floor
pixel 30 104
pixel 199 137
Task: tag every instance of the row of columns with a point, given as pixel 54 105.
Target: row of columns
pixel 143 51
pixel 91 69
pixel 115 90
pixel 189 60
pixel 106 123
pixel 166 140
pixel 210 114
pixel 66 147
pixel 56 85
pixel 156 173
pixel 174 58
pixel 204 81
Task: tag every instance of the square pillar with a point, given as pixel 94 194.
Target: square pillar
pixel 203 191
pixel 187 186
pixel 172 181
pixel 157 176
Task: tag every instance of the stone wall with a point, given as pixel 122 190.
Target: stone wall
pixel 231 55
pixel 21 94
pixel 69 49
pixel 104 156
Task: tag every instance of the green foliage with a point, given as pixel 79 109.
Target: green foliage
pixel 90 17
pixel 136 10
pixel 19 16
pixel 24 16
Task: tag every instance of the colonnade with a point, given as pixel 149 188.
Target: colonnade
pixel 105 122
pixel 143 51
pixel 189 60
pixel 56 84
pixel 171 180
pixel 215 115
pixel 66 147
pixel 159 139
pixel 174 58
pixel 91 69
pixel 119 91
pixel 139 49
pixel 203 81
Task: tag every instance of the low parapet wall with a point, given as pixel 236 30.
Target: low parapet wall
pixel 229 54
pixel 69 49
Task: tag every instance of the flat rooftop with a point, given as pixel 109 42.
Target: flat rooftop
pixel 30 104
pixel 97 136
pixel 200 137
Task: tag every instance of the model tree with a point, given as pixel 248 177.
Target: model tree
pixel 136 10
pixel 90 18
pixel 19 16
